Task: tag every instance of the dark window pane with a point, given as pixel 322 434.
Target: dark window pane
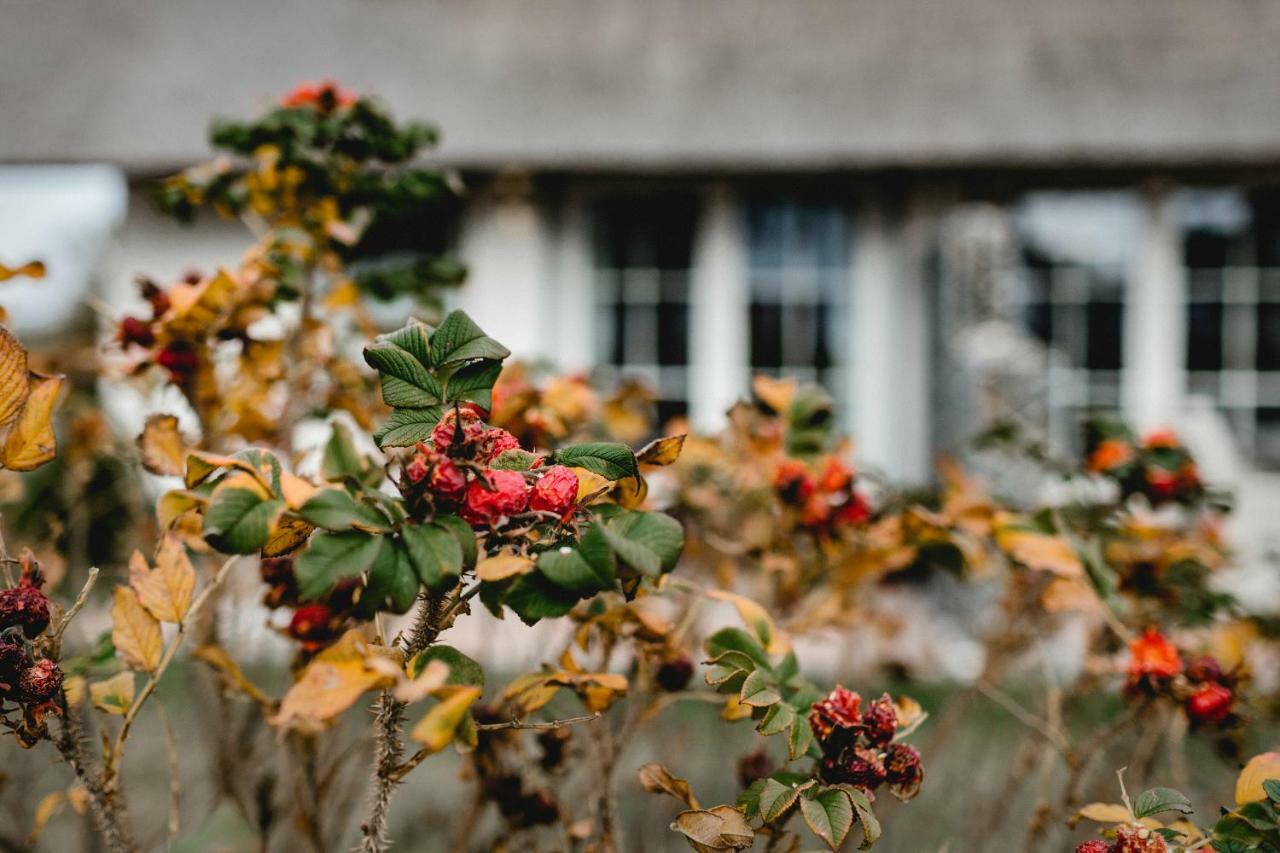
pixel 673 333
pixel 766 335
pixel 1204 336
pixel 1106 320
pixel 1268 337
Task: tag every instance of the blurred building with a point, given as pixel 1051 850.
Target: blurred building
pixel 935 208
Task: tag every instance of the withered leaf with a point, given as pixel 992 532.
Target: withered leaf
pixel 13 376
pixel 31 442
pixel 134 631
pixel 162 446
pixel 438 726
pixel 658 780
pixel 165 590
pixel 115 695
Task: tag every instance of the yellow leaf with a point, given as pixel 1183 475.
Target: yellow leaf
pixel 331 684
pixel 134 631
pixel 910 715
pixel 1104 813
pixel 1038 551
pixel 735 709
pixel 31 269
pixel 232 676
pixel 195 308
pixel 13 376
pixel 31 442
pixel 1259 769
pixel 162 446
pixel 661 451
pixel 286 534
pixel 115 695
pixel 436 729
pixel 630 492
pixel 777 394
pixel 165 590
pixel 502 566
pixel 296 491
pixel 78 799
pixel 590 484
pixel 431 679
pixel 49 806
pixel 757 619
pixel 201 465
pixel 74 687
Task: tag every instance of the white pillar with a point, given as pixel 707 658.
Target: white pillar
pixel 572 282
pixel 719 313
pixel 888 380
pixel 1155 324
pixel 504 242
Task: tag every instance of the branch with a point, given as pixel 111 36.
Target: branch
pixel 108 815
pixel 55 638
pixel 113 762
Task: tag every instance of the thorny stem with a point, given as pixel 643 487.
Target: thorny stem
pixel 435 611
pixel 108 813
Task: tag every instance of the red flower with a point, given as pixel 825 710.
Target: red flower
pixel 1204 668
pixel 880 721
pixel 1210 703
pixel 445 432
pixel 135 331
pixel 447 480
pixel 856 511
pixel 555 491
pixel 1095 845
pixel 179 359
pixel 313 626
pixel 494 442
pixel 40 682
pixel 838 717
pixel 509 496
pixel 859 766
pixel 324 95
pixel 1152 656
pixel 793 481
pixel 1163 483
pixel 25 607
pixel 836 476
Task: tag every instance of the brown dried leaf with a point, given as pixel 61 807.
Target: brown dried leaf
pixel 232 676
pixel 661 451
pixel 13 376
pixel 719 828
pixel 162 447
pixel 656 779
pixel 503 566
pixel 167 589
pixel 115 695
pixel 134 631
pixel 31 442
pixel 331 684
pixel 31 269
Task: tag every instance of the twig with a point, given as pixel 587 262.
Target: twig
pixel 537 725
pixel 175 778
pixel 108 815
pixel 55 638
pixel 112 769
pixel 1004 700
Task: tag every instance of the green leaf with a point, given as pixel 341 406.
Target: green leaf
pixel 465 535
pixel 473 382
pixel 462 669
pixel 799 737
pixel 776 798
pixel 777 719
pixel 610 460
pixel 414 338
pixel 514 460
pixel 406 427
pixel 331 557
pixel 238 521
pixel 532 597
pixel 758 692
pixel 434 552
pixel 866 815
pixel 829 814
pixel 406 383
pixel 265 463
pixel 335 509
pixel 343 461
pixel 1159 800
pixel 728 664
pixel 749 800
pixel 392 584
pixel 1272 789
pixel 738 640
pixel 649 542
pixel 459 339
pixel 585 568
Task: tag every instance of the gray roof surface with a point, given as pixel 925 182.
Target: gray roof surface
pixel 655 84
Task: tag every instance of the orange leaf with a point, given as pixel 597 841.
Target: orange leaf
pixel 162 446
pixel 13 376
pixel 31 442
pixel 134 631
pixel 165 590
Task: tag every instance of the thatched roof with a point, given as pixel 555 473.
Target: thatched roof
pixel 666 83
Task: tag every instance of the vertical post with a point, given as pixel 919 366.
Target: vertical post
pixel 1155 329
pixel 719 313
pixel 505 244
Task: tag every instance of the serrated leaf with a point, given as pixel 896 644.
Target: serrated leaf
pixel 406 383
pixel 341 459
pixel 462 669
pixel 718 828
pixel 473 383
pixel 656 779
pixel 1272 789
pixel 865 814
pixel 799 738
pixel 738 640
pixel 13 376
pixel 135 633
pixel 335 509
pixel 757 692
pixel 167 589
pixel 757 619
pixel 649 542
pixel 777 719
pixel 532 597
pixel 514 460
pixel 332 682
pixel 585 568
pixel 465 535
pixel 610 460
pixel 331 557
pixel 161 446
pixel 776 798
pixel 459 339
pixel 434 551
pixel 437 728
pixel 392 583
pixel 1157 800
pixel 407 427
pixel 830 815
pixel 414 338
pixel 238 518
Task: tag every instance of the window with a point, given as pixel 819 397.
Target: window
pixel 798 266
pixel 643 246
pixel 1075 253
pixel 1230 243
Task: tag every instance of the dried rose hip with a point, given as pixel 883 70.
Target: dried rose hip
pixel 179 359
pixel 40 682
pixel 880 720
pixel 14 660
pixel 836 720
pixel 674 673
pixel 24 607
pixel 903 770
pixel 1093 846
pixel 136 331
pixel 1210 703
pixel 444 434
pixel 508 496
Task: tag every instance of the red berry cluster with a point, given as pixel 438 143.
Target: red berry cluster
pixel 324 95
pixel 827 501
pixel 1156 668
pixel 32 683
pixel 1159 466
pixel 858 748
pixel 314 625
pixel 1129 839
pixel 454 474
pixel 178 357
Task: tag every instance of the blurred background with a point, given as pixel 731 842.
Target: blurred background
pixel 946 212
